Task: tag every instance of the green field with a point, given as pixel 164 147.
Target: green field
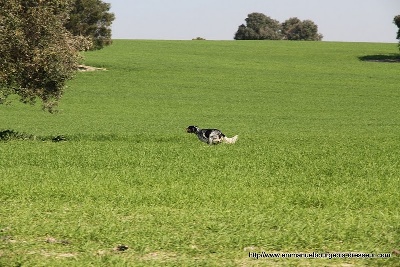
pixel 316 167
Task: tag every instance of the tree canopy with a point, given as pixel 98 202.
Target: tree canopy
pixel 38 54
pixel 261 27
pixel 295 29
pixel 91 18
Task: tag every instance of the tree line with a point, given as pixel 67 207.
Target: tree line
pixel 261 27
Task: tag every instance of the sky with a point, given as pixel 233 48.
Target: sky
pixel 337 20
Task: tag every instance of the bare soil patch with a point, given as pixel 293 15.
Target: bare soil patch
pixel 89 68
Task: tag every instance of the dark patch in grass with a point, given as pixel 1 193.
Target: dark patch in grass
pixel 391 58
pixel 59 138
pixel 121 248
pixel 9 135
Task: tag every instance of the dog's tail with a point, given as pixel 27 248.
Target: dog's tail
pixel 231 140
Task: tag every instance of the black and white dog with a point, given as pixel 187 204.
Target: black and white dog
pixel 211 136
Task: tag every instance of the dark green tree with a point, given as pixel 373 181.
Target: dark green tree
pixel 246 33
pixel 396 21
pixel 259 27
pixel 37 54
pixel 295 29
pixel 288 25
pixel 91 18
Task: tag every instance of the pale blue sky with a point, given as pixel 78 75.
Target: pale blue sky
pixel 338 20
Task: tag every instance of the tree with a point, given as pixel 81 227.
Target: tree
pixel 38 55
pixel 295 29
pixel 288 25
pixel 91 18
pixel 397 22
pixel 259 27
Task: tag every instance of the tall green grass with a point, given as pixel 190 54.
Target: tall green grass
pixel 316 167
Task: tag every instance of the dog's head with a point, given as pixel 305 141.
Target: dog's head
pixel 192 129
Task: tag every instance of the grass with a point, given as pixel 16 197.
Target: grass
pixel 315 169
